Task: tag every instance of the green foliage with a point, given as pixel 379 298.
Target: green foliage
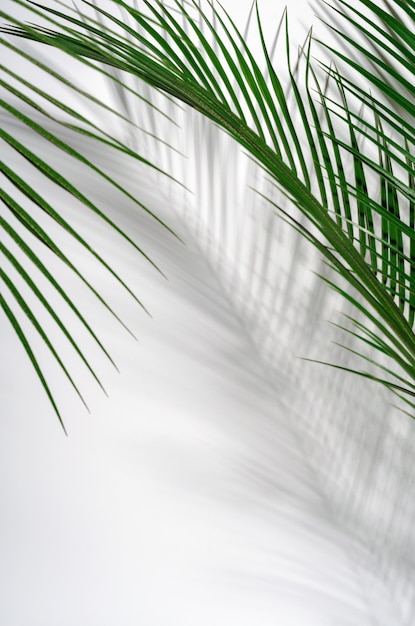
pixel 343 155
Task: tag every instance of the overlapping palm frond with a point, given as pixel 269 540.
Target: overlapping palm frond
pixel 341 151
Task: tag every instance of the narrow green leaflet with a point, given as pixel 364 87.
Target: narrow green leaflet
pixel 26 345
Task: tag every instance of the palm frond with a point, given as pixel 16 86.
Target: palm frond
pixel 359 218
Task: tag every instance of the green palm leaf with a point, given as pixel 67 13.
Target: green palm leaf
pixel 360 220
